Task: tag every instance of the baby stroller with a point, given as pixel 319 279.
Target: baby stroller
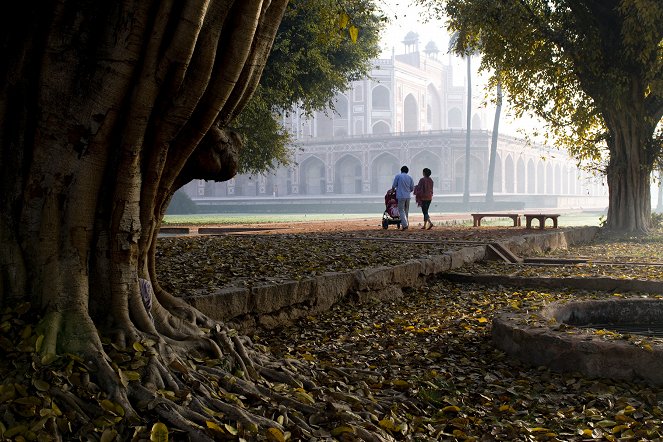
pixel 390 215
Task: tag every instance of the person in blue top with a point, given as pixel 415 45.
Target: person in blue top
pixel 404 185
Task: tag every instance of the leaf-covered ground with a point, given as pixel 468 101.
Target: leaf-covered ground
pixel 189 264
pixel 615 256
pixel 430 354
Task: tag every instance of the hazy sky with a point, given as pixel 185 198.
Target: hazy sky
pixel 405 17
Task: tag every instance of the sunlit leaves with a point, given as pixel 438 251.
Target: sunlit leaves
pixel 159 432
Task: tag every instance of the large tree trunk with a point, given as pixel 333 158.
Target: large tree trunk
pixel 106 109
pixel 629 171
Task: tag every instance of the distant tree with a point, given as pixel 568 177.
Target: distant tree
pixel 181 204
pixel 592 70
pixel 320 48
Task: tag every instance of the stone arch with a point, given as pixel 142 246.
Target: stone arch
pixel 434 108
pixel 455 118
pixel 540 178
pixel 477 175
pixel 558 179
pixel 381 127
pixel 312 176
pixel 509 175
pixel 531 177
pixel 410 114
pixel 520 176
pixel 380 98
pixel 426 159
pixel 497 179
pixel 383 170
pixel 347 179
pixel 565 180
pixel 573 180
pixel 476 122
pixel 550 179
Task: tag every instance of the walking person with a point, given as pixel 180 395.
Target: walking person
pixel 404 185
pixel 423 193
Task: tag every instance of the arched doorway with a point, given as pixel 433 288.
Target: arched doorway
pixel 455 118
pixel 348 175
pixel 434 109
pixel 531 177
pixel 509 175
pixel 383 170
pixel 381 127
pixel 422 160
pixel 520 176
pixel 380 98
pixel 312 176
pixel 410 114
pixel 477 175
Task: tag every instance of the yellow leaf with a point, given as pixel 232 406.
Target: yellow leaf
pixel 275 435
pixel 354 33
pixel 388 424
pixel 400 384
pixel 304 397
pixel 451 409
pixel 230 429
pixel 342 429
pixel 538 430
pixel 138 346
pixel 38 344
pixel 109 435
pixel 343 20
pixel 482 320
pixel 159 432
pixel 132 375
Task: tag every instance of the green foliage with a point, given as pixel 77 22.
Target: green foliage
pixel 313 58
pixel 656 220
pixel 265 140
pixel 573 64
pixel 181 204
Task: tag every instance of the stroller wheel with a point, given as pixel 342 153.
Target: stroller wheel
pixel 385 224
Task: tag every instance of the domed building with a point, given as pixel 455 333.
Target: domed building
pixel 408 111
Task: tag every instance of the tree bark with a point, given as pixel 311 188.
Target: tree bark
pixel 629 172
pixel 106 108
pixel 493 144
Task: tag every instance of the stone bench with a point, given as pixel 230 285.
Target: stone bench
pixel 477 217
pixel 542 217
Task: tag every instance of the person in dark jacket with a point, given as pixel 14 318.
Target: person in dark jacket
pixel 423 193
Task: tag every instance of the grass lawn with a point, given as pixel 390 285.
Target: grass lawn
pixel 567 219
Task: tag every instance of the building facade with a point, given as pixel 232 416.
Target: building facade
pixel 408 112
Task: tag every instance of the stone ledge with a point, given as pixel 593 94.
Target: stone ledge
pixel 273 305
pixel 568 349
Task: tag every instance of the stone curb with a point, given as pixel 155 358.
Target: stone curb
pixel 573 350
pixel 273 305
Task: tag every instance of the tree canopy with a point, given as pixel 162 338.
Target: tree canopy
pixel 314 56
pixel 592 70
